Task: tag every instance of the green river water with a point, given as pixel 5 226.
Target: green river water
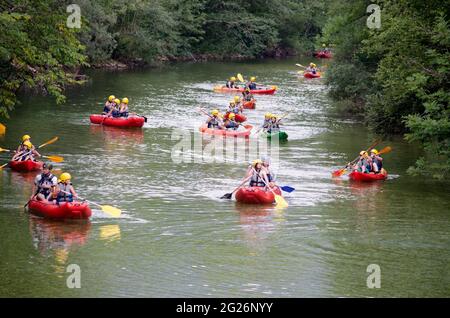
pixel 177 239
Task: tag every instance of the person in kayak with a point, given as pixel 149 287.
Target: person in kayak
pixel 230 122
pixel 123 109
pixel 267 121
pixel 109 105
pixel 233 108
pixel 114 112
pixel 231 83
pixel 214 121
pixel 312 68
pixel 377 161
pixel 364 163
pixel 237 100
pixel 45 184
pixel 256 174
pixel 274 124
pixel 246 95
pixel 251 84
pixel 64 190
pixel 26 151
pixel 269 172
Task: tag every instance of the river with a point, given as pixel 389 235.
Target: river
pixel 176 238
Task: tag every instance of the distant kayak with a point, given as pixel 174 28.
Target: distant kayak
pixel 228 133
pixel 125 122
pixel 263 91
pixel 256 195
pixel 323 55
pixel 239 117
pixel 311 75
pixel 281 135
pixel 73 210
pixel 365 177
pixel 250 104
pixel 25 166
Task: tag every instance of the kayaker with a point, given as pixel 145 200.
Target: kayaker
pixel 44 184
pixel 230 122
pixel 214 120
pixel 251 84
pixel 231 83
pixel 233 108
pixel 364 163
pixel 114 112
pixel 377 161
pixel 257 174
pixel 267 121
pixel 109 105
pixel 237 100
pixel 123 110
pixel 274 125
pixel 269 172
pixel 246 95
pixel 312 68
pixel 26 151
pixel 64 190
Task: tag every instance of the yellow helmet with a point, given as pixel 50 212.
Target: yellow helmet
pixel 232 103
pixel 215 112
pixel 236 99
pixel 267 115
pixel 111 98
pixel 117 101
pixel 232 78
pixel 26 137
pixel 231 115
pixel 125 100
pixel 255 162
pixel 323 45
pixel 65 176
pixel 311 64
pixel 273 116
pixel 253 78
pixel 363 153
pixel 27 144
pixel 374 151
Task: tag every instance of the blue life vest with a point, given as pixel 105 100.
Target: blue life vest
pixel 62 196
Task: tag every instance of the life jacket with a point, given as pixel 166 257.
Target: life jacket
pixel 379 163
pixel 46 180
pixel 270 174
pixel 63 196
pixel 256 180
pixel 230 84
pixel 213 123
pixel 236 109
pixel 251 85
pixel 232 124
pixel 273 127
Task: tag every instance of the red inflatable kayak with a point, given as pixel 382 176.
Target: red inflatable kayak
pixel 126 122
pixel 25 166
pixel 73 210
pixel 311 75
pixel 359 176
pixel 263 91
pixel 239 117
pixel 256 195
pixel 228 133
pixel 323 55
pixel 250 104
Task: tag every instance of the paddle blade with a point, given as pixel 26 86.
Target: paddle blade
pixel 2 129
pixel 1 167
pixel 114 212
pixel 54 139
pixel 385 150
pixel 2 149
pixel 55 158
pixel 227 196
pixel 287 189
pixel 339 172
pixel 281 202
pixel 240 78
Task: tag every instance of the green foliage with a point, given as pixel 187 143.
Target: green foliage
pixel 399 73
pixel 36 51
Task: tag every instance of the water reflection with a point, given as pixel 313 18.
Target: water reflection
pixel 258 223
pixel 118 134
pixel 58 239
pixel 110 232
